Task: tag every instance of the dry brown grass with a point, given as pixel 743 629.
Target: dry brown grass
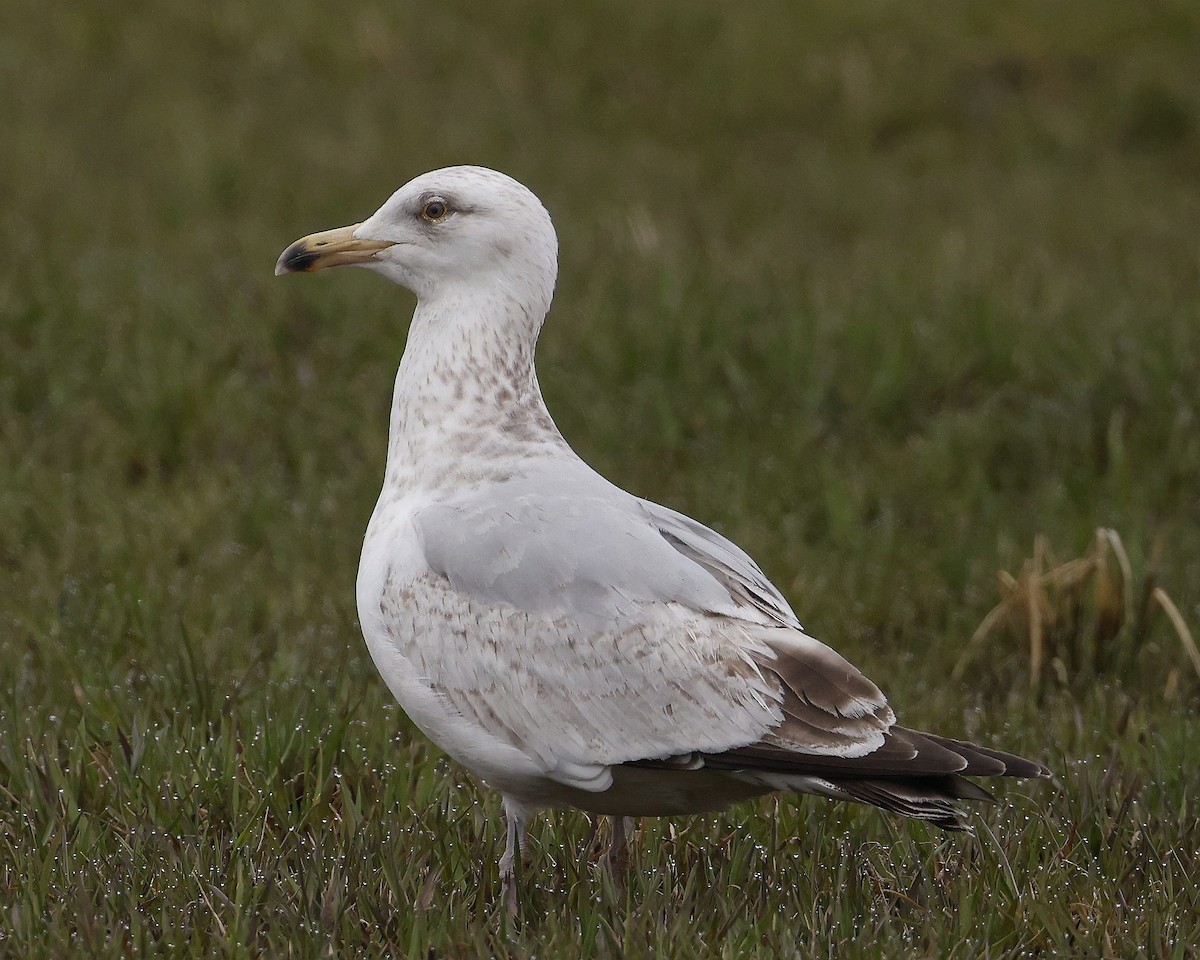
pixel 1084 616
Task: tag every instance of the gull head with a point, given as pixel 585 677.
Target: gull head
pixel 451 232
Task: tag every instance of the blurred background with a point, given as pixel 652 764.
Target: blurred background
pixel 882 294
pixel 894 296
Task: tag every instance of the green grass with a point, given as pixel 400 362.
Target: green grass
pixel 883 292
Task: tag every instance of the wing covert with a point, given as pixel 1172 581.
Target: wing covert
pixel 588 629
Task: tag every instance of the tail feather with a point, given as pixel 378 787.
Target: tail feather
pixel 931 799
pixel 914 774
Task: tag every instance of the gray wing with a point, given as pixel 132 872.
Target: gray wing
pixel 606 629
pixel 724 560
pixel 566 548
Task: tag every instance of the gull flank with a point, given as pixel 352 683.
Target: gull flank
pixel 571 644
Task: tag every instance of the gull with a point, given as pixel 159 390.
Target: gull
pixel 569 643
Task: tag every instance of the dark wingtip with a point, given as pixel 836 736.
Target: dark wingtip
pixel 1022 768
pixel 980 761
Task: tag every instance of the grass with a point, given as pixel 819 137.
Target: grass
pixel 888 295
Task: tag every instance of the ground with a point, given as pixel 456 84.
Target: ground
pixel 897 297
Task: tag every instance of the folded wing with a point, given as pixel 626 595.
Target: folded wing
pixel 619 632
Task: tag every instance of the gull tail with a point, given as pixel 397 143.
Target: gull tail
pixel 917 775
pixel 932 799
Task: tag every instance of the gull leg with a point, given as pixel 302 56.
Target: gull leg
pixel 516 818
pixel 617 856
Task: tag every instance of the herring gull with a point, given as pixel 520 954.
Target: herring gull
pixel 569 643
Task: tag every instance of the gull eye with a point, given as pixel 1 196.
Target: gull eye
pixel 435 209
